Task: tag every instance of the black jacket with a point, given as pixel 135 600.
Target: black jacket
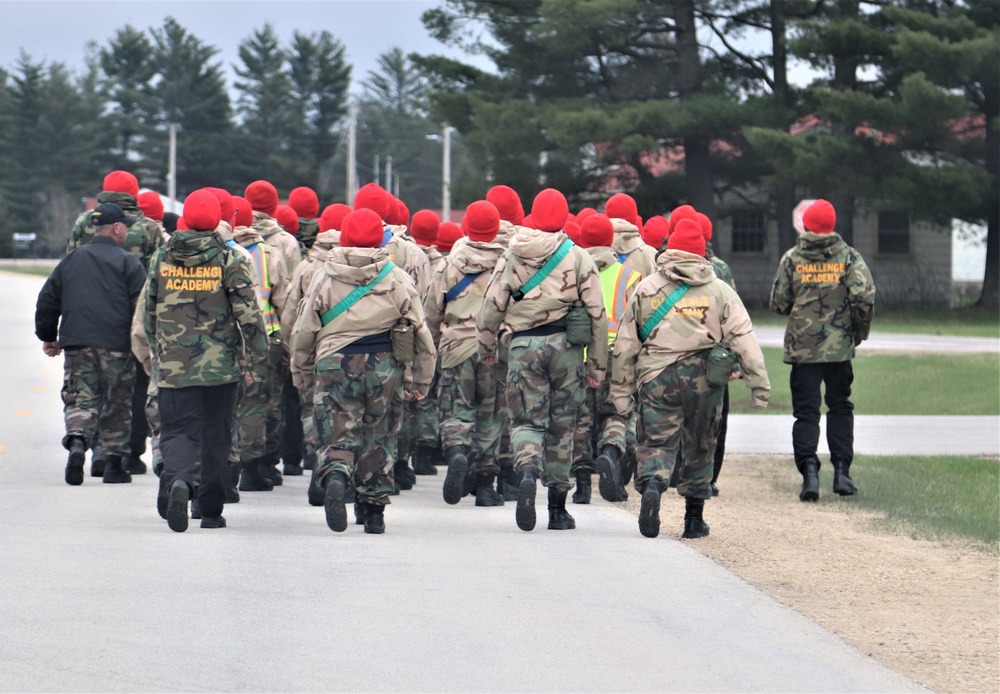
pixel 94 290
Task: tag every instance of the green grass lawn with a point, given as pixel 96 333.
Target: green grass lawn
pixel 970 321
pixel 897 384
pixel 40 270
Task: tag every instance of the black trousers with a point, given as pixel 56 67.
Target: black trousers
pixel 720 441
pixel 292 437
pixel 196 423
pixel 805 381
pixel 140 424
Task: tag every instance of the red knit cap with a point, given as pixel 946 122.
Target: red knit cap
pixel 304 201
pixel 372 196
pixel 820 217
pixel 448 234
pixel 151 205
pixel 263 196
pixel 682 212
pixel 528 221
pixel 202 211
pixel 507 202
pixel 655 231
pixel 622 206
pixel 121 182
pixel 687 236
pixel 226 204
pixel 424 227
pixel 398 214
pixel 706 225
pixel 482 221
pixel 333 217
pixel 362 229
pixel 244 212
pixel 549 210
pixel 573 231
pixel 287 218
pixel 582 215
pixel 597 230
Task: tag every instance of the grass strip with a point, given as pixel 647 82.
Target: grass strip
pixel 970 321
pixel 40 270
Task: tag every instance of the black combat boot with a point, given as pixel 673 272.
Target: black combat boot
pixel 269 469
pixel 232 482
pixel 403 475
pixel 559 518
pixel 694 526
pixel 582 493
pixel 471 472
pixel 135 465
pixel 423 460
pixel 336 512
pixel 98 459
pixel 374 519
pixel 842 482
pixel 115 472
pixel 162 499
pixel 485 494
pixel 292 468
pixel 315 492
pixel 526 488
pixel 454 480
pixel 309 462
pixel 218 521
pixel 810 480
pixel 177 505
pixel 195 507
pixel 649 512
pixel 252 478
pixel 74 464
pixel 610 483
pixel 360 511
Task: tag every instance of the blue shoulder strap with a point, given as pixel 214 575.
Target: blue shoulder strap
pixel 460 286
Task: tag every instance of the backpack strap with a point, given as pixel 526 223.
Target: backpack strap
pixel 664 309
pixel 544 271
pixel 460 286
pixel 355 295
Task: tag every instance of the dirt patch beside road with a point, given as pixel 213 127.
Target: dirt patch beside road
pixel 928 610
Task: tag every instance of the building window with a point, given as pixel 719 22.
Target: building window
pixel 893 232
pixel 749 231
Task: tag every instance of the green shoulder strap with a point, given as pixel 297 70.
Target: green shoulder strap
pixel 355 295
pixel 664 309
pixel 545 270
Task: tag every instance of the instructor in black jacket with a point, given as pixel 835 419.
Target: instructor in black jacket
pixel 88 301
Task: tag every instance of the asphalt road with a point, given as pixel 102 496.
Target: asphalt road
pixel 98 595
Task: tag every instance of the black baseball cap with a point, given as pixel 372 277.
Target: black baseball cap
pixel 109 213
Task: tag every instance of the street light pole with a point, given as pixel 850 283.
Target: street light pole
pixel 446 175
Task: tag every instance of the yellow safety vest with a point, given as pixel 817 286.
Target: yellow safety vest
pixel 616 283
pixel 259 256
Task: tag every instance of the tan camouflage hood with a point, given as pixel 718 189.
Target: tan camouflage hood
pixel 627 237
pixel 355 266
pixel 533 247
pixel 191 248
pixel 325 242
pixel 684 267
pixel 506 232
pixel 247 236
pixel 476 256
pixel 125 201
pixel 265 225
pixel 603 257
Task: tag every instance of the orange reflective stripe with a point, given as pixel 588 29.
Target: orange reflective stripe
pixel 259 255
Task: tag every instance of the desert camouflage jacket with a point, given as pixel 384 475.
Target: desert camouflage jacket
pixel 826 290
pixel 628 242
pixel 304 273
pixel 143 238
pixel 393 298
pixel 202 320
pixel 277 238
pixel 453 323
pixel 410 259
pixel 575 278
pixel 277 275
pixel 708 313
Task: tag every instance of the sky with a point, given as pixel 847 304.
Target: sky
pixel 59 30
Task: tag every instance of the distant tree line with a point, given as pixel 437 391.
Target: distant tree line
pixel 907 108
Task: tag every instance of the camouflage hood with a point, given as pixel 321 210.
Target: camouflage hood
pixel 191 248
pixel 819 246
pixel 506 232
pixel 627 237
pixel 325 242
pixel 533 247
pixel 603 257
pixel 123 200
pixel 265 225
pixel 246 236
pixel 433 254
pixel 355 266
pixel 476 256
pixel 684 267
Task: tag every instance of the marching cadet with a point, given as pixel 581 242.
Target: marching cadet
pixel 826 290
pixel 664 364
pixel 203 324
pixel 360 323
pixel 547 293
pixel 470 428
pixel 305 202
pixel 628 245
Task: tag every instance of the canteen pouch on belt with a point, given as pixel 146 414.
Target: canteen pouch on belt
pixel 720 364
pixel 404 347
pixel 578 328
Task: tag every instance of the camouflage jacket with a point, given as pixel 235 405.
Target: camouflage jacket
pixel 144 237
pixel 826 290
pixel 308 230
pixel 721 267
pixel 709 313
pixel 505 233
pixel 410 259
pixel 628 243
pixel 202 320
pixel 276 237
pixel 453 323
pixel 575 278
pixel 277 275
pixel 304 273
pixel 393 298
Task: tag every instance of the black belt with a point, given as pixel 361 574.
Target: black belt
pixel 543 330
pixel 369 344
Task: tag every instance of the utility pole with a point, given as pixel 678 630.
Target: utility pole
pixel 172 167
pixel 375 177
pixel 395 185
pixel 352 136
pixel 446 175
pixel 388 173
